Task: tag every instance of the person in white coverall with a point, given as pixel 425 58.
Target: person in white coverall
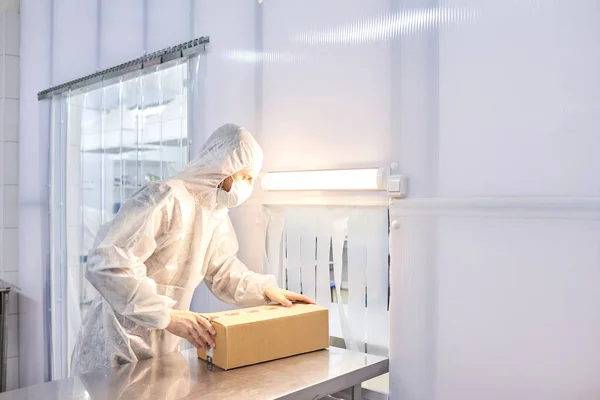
pixel 165 239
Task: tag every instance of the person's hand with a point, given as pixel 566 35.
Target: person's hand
pixel 285 297
pixel 193 327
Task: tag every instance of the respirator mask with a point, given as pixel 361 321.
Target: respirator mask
pixel 240 192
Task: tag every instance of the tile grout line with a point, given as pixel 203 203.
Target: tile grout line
pixel 14 315
pixel 2 241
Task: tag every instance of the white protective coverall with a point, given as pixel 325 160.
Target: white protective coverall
pixel 162 243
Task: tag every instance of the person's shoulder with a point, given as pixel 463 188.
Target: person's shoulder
pixel 178 190
pixel 181 200
pixel 153 193
pixel 146 199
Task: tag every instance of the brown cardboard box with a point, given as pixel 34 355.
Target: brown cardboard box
pixel 254 335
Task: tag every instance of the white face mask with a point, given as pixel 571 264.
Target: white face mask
pixel 240 192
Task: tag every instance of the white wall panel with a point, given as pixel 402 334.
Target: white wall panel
pixel 495 308
pixel 414 91
pixel 520 100
pixel 121 31
pixel 326 105
pixel 169 23
pixel 326 92
pixel 518 309
pixel 74 39
pixel 230 69
pixel 412 308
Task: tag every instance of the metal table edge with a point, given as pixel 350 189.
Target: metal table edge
pixel 340 382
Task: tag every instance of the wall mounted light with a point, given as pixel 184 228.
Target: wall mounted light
pixel 365 179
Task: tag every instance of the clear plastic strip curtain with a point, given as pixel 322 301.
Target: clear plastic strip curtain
pixel 57 235
pixel 340 257
pixel 108 141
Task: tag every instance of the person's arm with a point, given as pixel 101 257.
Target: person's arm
pixel 115 266
pixel 231 281
pixel 227 277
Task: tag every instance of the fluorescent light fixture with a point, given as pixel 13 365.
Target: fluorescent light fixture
pixel 349 179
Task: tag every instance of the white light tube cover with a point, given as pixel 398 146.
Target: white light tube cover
pixel 351 179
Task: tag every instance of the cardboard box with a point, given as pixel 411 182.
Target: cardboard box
pixel 258 334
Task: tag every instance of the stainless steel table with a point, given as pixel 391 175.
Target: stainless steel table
pixel 184 376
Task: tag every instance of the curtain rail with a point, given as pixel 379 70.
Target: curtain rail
pixel 180 51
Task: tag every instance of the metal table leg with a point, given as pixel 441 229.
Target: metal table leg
pixel 357 392
pixel 3 336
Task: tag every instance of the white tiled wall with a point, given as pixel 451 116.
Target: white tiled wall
pixel 9 176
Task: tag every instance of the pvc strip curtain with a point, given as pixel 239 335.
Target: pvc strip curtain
pixel 339 257
pixel 107 142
